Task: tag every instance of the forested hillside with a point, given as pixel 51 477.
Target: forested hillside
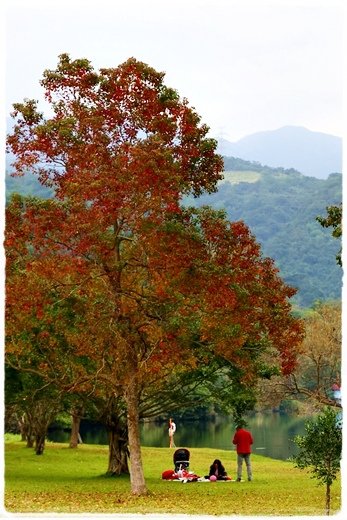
pixel 27 185
pixel 280 206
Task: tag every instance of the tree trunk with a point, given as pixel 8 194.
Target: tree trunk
pixel 327 500
pixel 137 479
pixel 75 428
pixel 22 428
pixel 30 441
pixel 40 443
pixel 26 430
pixel 118 453
pixel 29 434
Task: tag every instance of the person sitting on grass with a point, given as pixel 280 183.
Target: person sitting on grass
pixel 218 470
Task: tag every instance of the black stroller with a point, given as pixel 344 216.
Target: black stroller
pixel 181 459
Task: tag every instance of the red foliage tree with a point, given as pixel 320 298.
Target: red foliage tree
pixel 120 151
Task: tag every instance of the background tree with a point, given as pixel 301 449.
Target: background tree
pixel 31 406
pixel 334 220
pixel 320 449
pixel 319 366
pixel 319 363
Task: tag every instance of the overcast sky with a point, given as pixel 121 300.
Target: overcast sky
pixel 246 66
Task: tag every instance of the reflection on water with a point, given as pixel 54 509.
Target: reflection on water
pixel 273 434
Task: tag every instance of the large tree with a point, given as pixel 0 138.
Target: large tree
pixel 159 287
pixel 121 148
pixel 214 302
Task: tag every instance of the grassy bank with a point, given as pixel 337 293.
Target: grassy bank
pixel 73 481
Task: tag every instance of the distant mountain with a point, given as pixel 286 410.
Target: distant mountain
pixel 314 154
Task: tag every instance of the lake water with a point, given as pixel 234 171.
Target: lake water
pixel 273 434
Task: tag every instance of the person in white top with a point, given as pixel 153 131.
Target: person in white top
pixel 172 429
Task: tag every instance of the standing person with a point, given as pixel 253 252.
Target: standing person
pixel 243 440
pixel 172 429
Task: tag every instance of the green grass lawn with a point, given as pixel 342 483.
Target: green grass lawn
pixel 63 480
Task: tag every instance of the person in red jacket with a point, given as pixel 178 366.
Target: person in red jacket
pixel 243 440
